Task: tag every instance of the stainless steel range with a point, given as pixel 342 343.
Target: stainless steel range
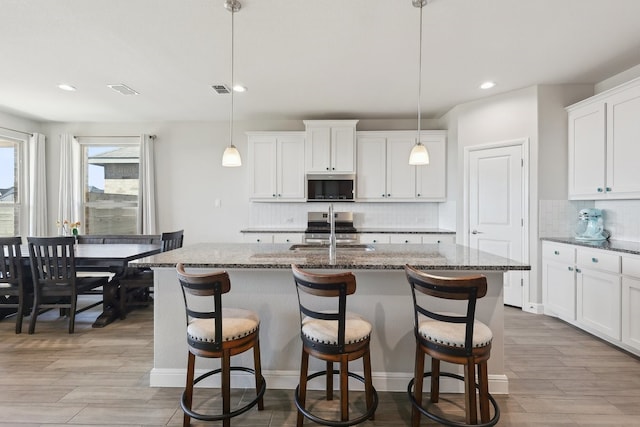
pixel 319 228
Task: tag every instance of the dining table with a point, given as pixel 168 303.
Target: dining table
pixel 105 258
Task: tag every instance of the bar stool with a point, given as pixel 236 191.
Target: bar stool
pixel 453 338
pixel 219 333
pixel 334 335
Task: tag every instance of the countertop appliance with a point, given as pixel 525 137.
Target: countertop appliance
pixel 590 226
pixel 319 228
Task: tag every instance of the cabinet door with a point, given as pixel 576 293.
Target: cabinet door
pixel 623 144
pixel 262 161
pixel 586 152
pixel 599 302
pixel 290 170
pixel 431 179
pixel 343 149
pixel 559 289
pixel 371 176
pixel 401 176
pixel 630 310
pixel 318 149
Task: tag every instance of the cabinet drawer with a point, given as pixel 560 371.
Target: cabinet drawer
pixel 558 252
pixel 288 237
pixel 631 266
pixel 598 260
pixel 438 238
pixel 405 238
pixel 374 238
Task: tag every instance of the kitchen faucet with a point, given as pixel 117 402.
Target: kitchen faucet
pixel 332 235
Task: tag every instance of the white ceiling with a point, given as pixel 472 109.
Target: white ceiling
pixel 299 58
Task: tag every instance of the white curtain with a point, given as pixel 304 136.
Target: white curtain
pixel 147 187
pixel 70 195
pixel 37 186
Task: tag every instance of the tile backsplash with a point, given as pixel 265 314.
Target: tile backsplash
pixel 365 215
pixel 621 217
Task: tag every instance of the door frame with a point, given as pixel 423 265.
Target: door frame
pixel 523 143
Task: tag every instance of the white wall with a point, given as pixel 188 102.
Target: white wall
pixel 190 178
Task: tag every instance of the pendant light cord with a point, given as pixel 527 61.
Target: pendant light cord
pixel 419 74
pixel 232 83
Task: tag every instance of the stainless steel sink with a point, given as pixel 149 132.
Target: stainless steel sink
pixel 339 246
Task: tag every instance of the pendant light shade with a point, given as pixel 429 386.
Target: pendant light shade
pixel 231 156
pixel 419 154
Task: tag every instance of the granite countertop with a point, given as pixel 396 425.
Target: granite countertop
pixel 382 257
pixel 359 230
pixel 608 245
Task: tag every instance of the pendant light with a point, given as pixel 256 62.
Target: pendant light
pixel 231 156
pixel 419 154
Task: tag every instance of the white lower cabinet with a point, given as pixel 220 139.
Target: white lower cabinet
pixel 404 238
pixel 258 238
pixel 558 279
pixel 599 298
pixel 596 290
pixel 631 302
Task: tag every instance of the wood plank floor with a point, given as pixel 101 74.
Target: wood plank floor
pixel 559 376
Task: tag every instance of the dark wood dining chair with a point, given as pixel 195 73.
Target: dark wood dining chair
pixel 333 335
pixel 218 332
pixel 136 286
pixel 15 291
pixel 456 338
pixel 55 282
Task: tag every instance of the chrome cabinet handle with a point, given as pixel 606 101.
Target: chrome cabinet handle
pixel 599 190
pixel 608 189
pixel 594 259
pixel 578 270
pixel 570 268
pixel 556 252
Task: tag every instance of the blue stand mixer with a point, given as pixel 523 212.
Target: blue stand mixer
pixel 590 226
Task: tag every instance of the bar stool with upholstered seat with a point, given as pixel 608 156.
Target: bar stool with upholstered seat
pixel 333 335
pixel 217 333
pixel 452 338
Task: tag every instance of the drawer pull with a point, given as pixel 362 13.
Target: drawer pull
pixel 594 259
pixel 570 268
pixel 578 270
pixel 556 252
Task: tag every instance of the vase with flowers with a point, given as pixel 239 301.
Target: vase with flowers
pixel 67 228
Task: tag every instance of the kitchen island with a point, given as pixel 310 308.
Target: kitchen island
pixel 261 280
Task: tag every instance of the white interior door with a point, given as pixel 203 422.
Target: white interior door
pixel 496 209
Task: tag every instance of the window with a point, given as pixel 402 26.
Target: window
pixel 110 188
pixel 10 188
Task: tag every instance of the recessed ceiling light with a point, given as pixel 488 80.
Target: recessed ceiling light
pixel 66 87
pixel 239 88
pixel 487 85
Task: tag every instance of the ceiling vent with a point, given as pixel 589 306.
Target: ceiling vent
pixel 123 89
pixel 221 89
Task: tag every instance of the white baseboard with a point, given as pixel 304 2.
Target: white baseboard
pixel 288 380
pixel 533 307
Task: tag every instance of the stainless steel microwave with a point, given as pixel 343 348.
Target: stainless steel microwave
pixel 334 187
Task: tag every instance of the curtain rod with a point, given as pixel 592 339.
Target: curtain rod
pixel 15 130
pixel 111 136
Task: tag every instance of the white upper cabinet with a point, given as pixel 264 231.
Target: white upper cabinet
pixel 330 146
pixel 384 173
pixel 431 179
pixel 276 162
pixel 603 145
